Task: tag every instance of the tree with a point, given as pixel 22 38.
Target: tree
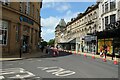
pixel 44 43
pixel 51 42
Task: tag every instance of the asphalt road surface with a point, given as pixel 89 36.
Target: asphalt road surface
pixel 65 65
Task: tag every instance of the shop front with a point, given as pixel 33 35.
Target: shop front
pixel 71 45
pixel 90 43
pixel 109 39
pixel 25 44
pixel 108 42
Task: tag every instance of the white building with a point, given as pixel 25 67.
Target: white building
pixel 109 16
pixel 108 12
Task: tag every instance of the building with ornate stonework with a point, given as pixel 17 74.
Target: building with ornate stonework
pixel 21 27
pixel 109 20
pixel 76 33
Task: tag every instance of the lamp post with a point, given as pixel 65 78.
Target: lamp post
pixel 21 48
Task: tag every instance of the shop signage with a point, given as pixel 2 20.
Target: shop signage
pixel 27 20
pixel 90 38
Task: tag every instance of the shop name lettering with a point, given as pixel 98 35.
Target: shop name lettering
pixel 57 71
pixel 24 19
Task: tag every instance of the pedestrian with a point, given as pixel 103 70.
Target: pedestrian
pixel 48 50
pixel 101 53
pixel 105 52
pixel 42 48
pixel 113 55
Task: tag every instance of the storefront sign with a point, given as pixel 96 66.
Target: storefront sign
pixel 25 19
pixel 89 38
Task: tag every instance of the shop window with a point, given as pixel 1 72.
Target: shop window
pixel 3 32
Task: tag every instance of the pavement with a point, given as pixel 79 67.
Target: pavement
pixel 38 54
pixel 24 56
pixel 90 54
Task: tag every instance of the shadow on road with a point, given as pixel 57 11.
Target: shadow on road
pixel 51 54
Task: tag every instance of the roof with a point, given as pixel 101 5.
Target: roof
pixel 62 23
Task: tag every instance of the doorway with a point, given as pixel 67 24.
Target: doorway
pixel 25 44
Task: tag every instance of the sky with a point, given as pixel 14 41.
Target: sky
pixel 53 12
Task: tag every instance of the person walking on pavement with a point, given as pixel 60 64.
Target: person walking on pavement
pixel 42 48
pixel 105 52
pixel 48 49
pixel 113 55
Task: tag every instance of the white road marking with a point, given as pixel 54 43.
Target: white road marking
pixel 24 76
pixel 57 71
pixel 30 59
pixel 44 68
pixel 2 77
pixel 16 73
pixel 37 77
pixel 39 60
pixel 65 73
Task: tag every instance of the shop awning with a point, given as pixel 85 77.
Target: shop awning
pixel 108 34
pixel 73 41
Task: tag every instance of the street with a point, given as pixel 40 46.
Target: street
pixel 63 66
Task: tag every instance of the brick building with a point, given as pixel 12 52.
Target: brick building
pixel 20 27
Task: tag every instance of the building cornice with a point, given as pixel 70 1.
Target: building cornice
pixel 18 12
pixel 83 14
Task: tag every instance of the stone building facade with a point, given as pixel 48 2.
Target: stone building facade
pixel 21 27
pixel 109 20
pixel 95 29
pixel 77 30
pixel 59 31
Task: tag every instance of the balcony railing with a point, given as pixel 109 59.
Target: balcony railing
pixel 113 26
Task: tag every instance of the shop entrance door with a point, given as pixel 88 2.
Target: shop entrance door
pixel 25 44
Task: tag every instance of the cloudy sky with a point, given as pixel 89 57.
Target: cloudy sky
pixel 52 12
